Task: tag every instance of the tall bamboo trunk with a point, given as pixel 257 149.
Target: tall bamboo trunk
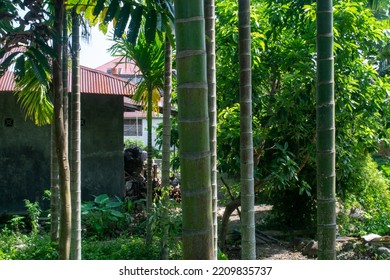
pixel 149 187
pixel 63 163
pixel 326 154
pixel 248 242
pixel 212 103
pixel 193 130
pixel 166 146
pixel 75 185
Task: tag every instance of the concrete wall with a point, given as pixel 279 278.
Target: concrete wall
pixel 25 152
pixel 24 157
pixel 144 137
pixel 102 145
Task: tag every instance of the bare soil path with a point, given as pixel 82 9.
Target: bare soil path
pixel 281 250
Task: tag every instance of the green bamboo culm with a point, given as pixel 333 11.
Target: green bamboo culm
pixel 193 129
pixel 325 120
pixel 248 239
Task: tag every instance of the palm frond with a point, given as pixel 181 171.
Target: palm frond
pixel 33 96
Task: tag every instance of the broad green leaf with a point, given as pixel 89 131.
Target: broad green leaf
pixel 113 204
pixel 102 199
pixel 117 214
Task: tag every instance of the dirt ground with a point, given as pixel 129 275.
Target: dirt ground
pixel 281 250
pixel 278 245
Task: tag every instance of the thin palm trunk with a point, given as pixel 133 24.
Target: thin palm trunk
pixel 63 163
pixel 149 200
pixel 326 154
pixel 248 242
pixel 166 146
pixel 65 72
pixel 212 103
pixel 193 130
pixel 54 189
pixel 76 141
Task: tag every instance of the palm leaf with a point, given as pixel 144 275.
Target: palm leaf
pixel 123 18
pixel 150 26
pixel 20 69
pixel 149 59
pixel 99 7
pixel 33 96
pixel 112 10
pixel 8 61
pixel 135 24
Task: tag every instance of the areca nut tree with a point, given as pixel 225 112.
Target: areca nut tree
pixel 28 46
pixel 248 242
pixel 149 58
pixel 63 160
pixel 212 103
pixel 166 145
pixel 193 123
pixel 75 184
pixel 325 122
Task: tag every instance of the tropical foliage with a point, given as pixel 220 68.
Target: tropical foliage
pixel 284 52
pixel 284 65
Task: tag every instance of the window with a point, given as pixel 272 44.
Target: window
pixel 133 127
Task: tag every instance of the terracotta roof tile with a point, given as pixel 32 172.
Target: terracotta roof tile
pixel 91 81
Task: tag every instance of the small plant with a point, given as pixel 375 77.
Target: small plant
pixel 17 223
pixel 166 219
pixel 103 216
pixel 34 212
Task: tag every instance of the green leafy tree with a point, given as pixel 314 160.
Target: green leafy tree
pixel 194 151
pixel 283 86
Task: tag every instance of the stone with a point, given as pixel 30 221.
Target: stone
pixel 371 237
pixel 383 251
pixel 311 249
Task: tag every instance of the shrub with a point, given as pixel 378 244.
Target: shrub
pixel 17 246
pixel 365 200
pixel 123 247
pixel 104 216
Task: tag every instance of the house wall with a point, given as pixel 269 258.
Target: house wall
pixel 144 137
pixel 24 157
pixel 102 145
pixel 25 152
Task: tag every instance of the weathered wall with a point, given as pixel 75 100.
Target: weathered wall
pixel 24 157
pixel 102 145
pixel 25 152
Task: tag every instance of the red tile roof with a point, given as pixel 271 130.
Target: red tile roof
pixel 122 65
pixel 91 81
pixel 7 82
